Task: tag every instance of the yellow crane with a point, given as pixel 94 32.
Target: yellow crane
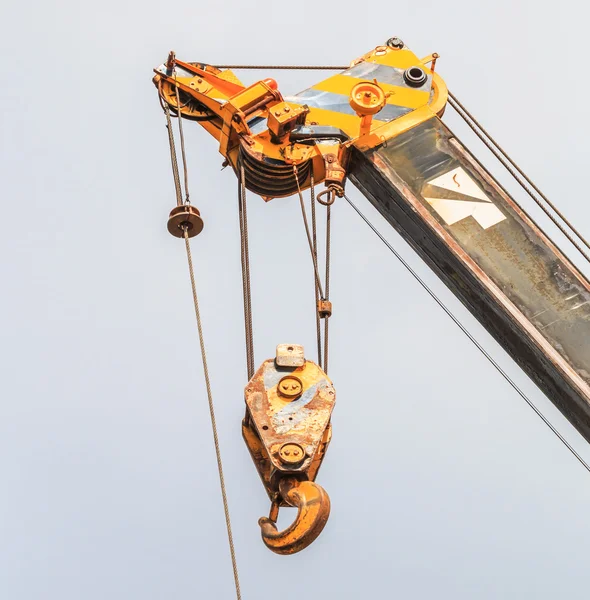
pixel 378 123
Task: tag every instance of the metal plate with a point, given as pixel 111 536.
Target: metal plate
pixel 490 254
pixel 281 420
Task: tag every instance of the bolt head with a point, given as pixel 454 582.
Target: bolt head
pixel 291 453
pixel 395 42
pixel 290 387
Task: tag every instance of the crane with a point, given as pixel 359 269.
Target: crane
pixel 377 123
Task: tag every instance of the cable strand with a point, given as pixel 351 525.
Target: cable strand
pixel 315 285
pixel 182 149
pixel 212 416
pixel 515 170
pixel 309 241
pixel 245 260
pixel 327 282
pixel 173 158
pixel 471 338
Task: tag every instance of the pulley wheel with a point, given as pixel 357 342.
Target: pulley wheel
pixel 185 217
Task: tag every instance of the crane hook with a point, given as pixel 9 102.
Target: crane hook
pixel 313 504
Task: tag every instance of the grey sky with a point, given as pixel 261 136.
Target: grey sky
pixel 443 483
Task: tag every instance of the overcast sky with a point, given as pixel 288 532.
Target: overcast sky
pixel 443 482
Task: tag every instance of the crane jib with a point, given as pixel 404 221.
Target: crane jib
pixel 490 253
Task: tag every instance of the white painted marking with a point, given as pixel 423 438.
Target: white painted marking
pixel 452 211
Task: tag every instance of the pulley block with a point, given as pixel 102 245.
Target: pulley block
pixel 289 402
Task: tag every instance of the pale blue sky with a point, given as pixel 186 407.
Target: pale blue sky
pixel 443 485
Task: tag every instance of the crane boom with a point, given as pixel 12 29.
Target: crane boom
pixel 490 253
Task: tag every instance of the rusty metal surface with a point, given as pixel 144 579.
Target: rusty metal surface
pixel 313 504
pixel 324 308
pixel 300 416
pixel 290 355
pixel 185 217
pixel 287 430
pixel 490 254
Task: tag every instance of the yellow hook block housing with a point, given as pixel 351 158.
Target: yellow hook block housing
pixel 287 430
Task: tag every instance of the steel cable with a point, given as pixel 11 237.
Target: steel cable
pixel 177 184
pixel 308 234
pixel 315 253
pixel 327 282
pixel 471 338
pixel 245 260
pixel 212 415
pixel 183 152
pixel 513 169
pixel 173 157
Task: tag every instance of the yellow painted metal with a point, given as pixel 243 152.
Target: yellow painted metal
pixel 232 107
pixel 425 103
pixel 347 123
pixel 287 430
pixel 313 504
pixel 395 95
pixel 387 131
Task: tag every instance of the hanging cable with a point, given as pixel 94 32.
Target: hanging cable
pixel 471 338
pixel 515 171
pixel 173 157
pixel 245 260
pixel 181 132
pixel 309 241
pixel 315 254
pixel 177 185
pixel 312 242
pixel 327 280
pixel 212 416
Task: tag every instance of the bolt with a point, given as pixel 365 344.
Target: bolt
pixel 291 453
pixel 290 387
pixel 395 42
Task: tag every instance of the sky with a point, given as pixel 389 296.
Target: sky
pixel 443 482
